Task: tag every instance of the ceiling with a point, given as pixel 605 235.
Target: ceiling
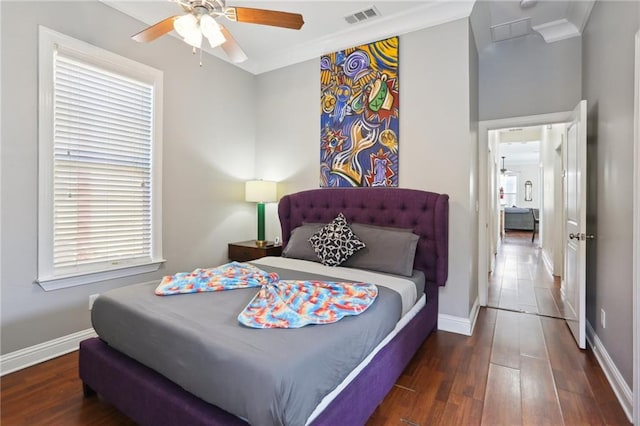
pixel 551 20
pixel 326 30
pixel 520 146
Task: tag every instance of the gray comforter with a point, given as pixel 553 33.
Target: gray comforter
pixel 268 377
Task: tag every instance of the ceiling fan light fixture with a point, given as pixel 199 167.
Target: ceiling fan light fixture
pixel 211 31
pixel 187 27
pixel 194 39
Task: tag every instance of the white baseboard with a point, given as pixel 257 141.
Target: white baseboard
pixel 460 325
pixel 620 387
pixel 41 352
pixel 548 262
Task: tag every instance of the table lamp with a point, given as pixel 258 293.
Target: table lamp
pixel 261 192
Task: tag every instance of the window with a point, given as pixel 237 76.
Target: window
pixel 99 164
pixel 509 186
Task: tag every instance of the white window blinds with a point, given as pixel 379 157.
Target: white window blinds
pixel 100 156
pixel 102 165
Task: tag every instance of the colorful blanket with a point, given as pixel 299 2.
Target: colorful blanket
pixel 278 304
pixel 226 277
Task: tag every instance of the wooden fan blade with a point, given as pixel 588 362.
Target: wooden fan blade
pixel 156 30
pixel 232 48
pixel 269 17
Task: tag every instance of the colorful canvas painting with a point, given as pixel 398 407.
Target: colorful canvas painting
pixel 359 116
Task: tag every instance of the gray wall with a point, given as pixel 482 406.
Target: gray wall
pixel 608 81
pixel 437 137
pixel 526 76
pixel 527 172
pixel 474 117
pixel 208 152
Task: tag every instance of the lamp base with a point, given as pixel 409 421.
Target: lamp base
pixel 261 243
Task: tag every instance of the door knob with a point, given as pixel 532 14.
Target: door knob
pixel 581 237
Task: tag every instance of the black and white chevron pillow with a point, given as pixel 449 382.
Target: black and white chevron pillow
pixel 335 242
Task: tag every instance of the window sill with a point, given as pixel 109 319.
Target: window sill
pixel 57 283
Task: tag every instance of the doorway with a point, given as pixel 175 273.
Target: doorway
pixel 526 261
pixel 543 253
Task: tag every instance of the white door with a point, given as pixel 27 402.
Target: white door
pixel 575 206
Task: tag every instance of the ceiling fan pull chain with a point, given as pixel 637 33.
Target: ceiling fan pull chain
pixel 194 51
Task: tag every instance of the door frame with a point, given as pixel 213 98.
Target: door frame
pixel 636 238
pixel 483 191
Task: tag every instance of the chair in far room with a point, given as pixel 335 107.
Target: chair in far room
pixel 536 220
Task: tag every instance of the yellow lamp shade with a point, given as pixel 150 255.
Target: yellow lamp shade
pixel 261 191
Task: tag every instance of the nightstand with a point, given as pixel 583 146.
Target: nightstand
pixel 245 251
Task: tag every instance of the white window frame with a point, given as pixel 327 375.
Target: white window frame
pixel 49 42
pixel 514 195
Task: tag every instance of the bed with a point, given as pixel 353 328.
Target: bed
pixel 151 398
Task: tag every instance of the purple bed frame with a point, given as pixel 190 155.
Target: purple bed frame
pixel 150 399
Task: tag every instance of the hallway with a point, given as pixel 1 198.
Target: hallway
pixel 521 280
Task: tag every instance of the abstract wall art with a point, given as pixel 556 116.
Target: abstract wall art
pixel 359 116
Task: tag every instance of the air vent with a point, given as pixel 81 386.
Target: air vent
pixel 510 30
pixel 362 15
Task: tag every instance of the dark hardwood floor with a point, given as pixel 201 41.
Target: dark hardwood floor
pixel 516 369
pixel 519 367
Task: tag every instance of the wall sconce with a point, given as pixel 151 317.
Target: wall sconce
pixel 261 192
pixel 528 191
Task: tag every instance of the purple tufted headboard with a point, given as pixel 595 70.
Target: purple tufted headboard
pixel 427 213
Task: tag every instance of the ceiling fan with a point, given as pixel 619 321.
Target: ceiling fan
pixel 199 20
pixel 504 170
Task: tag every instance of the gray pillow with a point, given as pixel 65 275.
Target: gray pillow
pixel 298 246
pixel 387 249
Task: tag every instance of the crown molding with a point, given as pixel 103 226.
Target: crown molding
pixel 558 30
pixel 572 26
pixel 429 15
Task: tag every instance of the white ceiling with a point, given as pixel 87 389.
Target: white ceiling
pixel 520 146
pixel 325 29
